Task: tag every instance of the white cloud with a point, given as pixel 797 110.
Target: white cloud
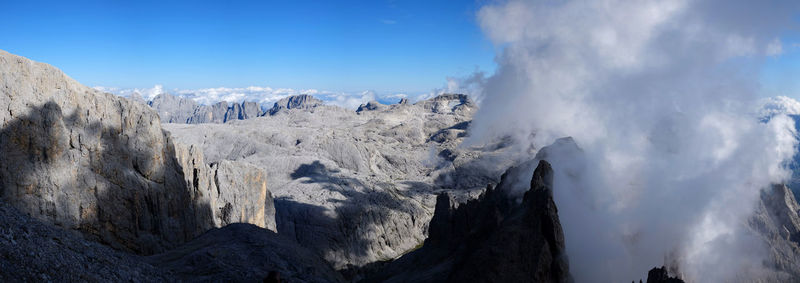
pixel 674 155
pixel 778 105
pixel 349 101
pixel 775 48
pixel 266 96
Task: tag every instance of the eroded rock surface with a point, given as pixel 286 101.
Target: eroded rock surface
pixel 176 109
pixel 244 253
pixel 94 162
pixel 356 187
pixel 777 222
pixel 490 239
pixel 31 251
pixel 303 101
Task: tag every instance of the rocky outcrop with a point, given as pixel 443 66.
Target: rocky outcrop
pixel 490 239
pixel 370 106
pixel 244 253
pixel 214 113
pixel 175 109
pixel 661 275
pixel 94 162
pixel 302 101
pixel 31 251
pixel 355 189
pixel 449 103
pixel 777 222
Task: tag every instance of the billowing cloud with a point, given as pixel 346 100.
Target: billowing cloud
pixel 778 105
pixel 660 96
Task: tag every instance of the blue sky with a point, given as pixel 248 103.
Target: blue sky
pixel 388 47
pixel 345 46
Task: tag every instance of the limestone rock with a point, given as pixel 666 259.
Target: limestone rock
pixel 302 101
pixel 449 103
pixel 215 113
pixel 777 222
pixel 173 109
pixel 354 188
pixel 250 109
pixel 490 239
pixel 31 251
pixel 244 253
pixel 101 164
pixel 370 106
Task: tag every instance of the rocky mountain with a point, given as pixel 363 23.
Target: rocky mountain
pixel 490 239
pixel 371 106
pixel 100 164
pixel 174 109
pixel 356 187
pixel 94 188
pixel 302 101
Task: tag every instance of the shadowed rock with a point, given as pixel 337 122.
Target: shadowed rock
pixel 94 162
pixel 490 239
pixel 244 253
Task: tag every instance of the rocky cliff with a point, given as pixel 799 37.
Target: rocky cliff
pixel 303 101
pixel 777 222
pixel 355 188
pixel 490 239
pixel 94 162
pixel 174 109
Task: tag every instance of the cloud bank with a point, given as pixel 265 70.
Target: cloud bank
pixel 266 96
pixel 660 97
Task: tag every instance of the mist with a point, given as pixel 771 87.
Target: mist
pixel 659 96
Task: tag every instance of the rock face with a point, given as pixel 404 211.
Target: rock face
pixel 303 101
pixel 94 162
pixel 174 109
pixel 490 239
pixel 244 253
pixel 371 106
pixel 457 103
pixel 660 275
pixel 31 251
pixel 777 222
pixel 355 188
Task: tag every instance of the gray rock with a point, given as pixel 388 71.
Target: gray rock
pixel 354 188
pixel 31 251
pixel 136 97
pixel 302 101
pixel 173 109
pixel 371 106
pixel 489 239
pixel 777 222
pixel 250 109
pixel 449 103
pixel 244 253
pixel 215 113
pixel 94 162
